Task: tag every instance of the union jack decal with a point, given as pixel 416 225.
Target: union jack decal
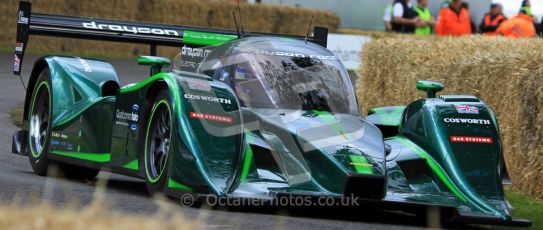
pixel 466 109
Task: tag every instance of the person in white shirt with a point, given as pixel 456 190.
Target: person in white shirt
pixel 405 18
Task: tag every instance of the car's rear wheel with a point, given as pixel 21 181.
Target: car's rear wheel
pixel 39 129
pixel 158 135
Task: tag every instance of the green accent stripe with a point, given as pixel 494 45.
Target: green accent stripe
pixel 248 159
pixel 132 165
pixel 144 83
pixel 325 116
pixel 177 185
pixel 96 157
pixel 206 39
pixel 361 164
pixel 435 167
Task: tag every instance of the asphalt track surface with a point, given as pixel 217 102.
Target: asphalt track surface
pixel 128 195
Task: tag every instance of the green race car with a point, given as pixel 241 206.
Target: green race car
pixel 254 116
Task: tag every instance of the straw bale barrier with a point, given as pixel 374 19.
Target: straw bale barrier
pixel 507 74
pixel 95 216
pixel 203 13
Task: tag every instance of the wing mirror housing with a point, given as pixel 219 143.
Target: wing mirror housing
pixel 156 63
pixel 430 87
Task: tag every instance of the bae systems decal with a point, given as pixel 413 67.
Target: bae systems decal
pixel 208 98
pixel 467 121
pixel 466 109
pixel 130 29
pixel 210 117
pixel 467 139
pixel 131 119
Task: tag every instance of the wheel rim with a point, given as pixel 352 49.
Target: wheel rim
pixel 158 141
pixel 39 120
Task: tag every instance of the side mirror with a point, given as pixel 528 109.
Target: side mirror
pixel 431 87
pixel 156 63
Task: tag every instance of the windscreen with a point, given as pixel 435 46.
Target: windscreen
pixel 284 74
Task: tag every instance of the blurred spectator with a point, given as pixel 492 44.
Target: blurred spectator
pixel 405 18
pixel 426 20
pixel 520 26
pixel 454 20
pixel 445 4
pixel 474 29
pixel 492 19
pixel 387 17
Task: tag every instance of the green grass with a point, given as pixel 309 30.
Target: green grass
pixel 526 207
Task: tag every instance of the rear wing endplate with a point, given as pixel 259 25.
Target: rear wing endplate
pixel 152 34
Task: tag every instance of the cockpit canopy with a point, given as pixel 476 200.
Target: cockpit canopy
pixel 282 73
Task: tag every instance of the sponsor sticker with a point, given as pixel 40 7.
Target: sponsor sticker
pixel 129 29
pixel 210 117
pixel 16 63
pixel 466 109
pixel 198 85
pixel 208 98
pixel 22 18
pixel 19 47
pixel 470 139
pixel 467 121
pixel 202 38
pixel 86 65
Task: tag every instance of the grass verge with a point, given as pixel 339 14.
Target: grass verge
pixel 526 207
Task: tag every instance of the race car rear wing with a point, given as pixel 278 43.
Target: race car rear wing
pixel 153 34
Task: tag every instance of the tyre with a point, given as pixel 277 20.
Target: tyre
pixel 39 129
pixel 39 134
pixel 157 143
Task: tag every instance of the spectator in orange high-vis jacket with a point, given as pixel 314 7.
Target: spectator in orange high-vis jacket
pixel 520 26
pixel 454 20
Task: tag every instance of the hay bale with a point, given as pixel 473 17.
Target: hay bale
pixel 506 73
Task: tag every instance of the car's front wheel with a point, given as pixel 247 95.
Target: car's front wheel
pixel 158 136
pixel 39 129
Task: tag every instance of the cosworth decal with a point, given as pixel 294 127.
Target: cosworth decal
pixel 208 98
pixel 129 29
pixel 467 121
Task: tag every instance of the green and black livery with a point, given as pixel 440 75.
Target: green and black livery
pixel 224 121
